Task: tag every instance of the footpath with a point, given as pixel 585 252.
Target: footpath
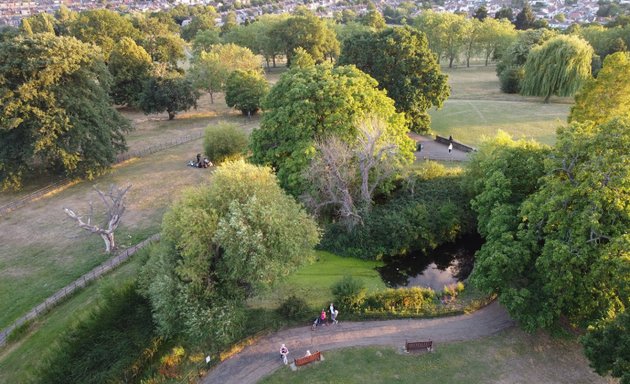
pixel 262 358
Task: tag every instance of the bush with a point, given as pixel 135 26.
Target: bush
pixel 510 79
pixel 294 308
pixel 402 300
pixel 224 141
pixel 349 293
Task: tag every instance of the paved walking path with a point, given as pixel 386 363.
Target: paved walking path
pixel 262 358
pixel 432 150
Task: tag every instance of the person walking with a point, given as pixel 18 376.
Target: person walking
pixel 284 351
pixel 333 316
pixel 450 148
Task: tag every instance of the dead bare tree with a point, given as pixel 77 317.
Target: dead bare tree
pixel 345 176
pixel 114 201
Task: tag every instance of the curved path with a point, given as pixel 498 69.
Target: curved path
pixel 262 358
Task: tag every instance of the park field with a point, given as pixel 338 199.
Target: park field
pixel 510 357
pixel 477 109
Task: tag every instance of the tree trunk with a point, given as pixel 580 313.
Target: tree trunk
pixel 273 59
pixel 546 101
pixel 468 62
pixel 211 97
pixel 108 238
pixel 450 62
pixel 171 115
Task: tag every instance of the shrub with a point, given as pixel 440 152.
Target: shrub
pixel 294 308
pixel 224 141
pixel 349 292
pixel 402 300
pixel 510 79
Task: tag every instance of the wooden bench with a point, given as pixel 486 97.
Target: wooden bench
pixel 317 356
pixel 419 346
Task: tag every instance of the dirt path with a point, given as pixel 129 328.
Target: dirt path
pixel 262 358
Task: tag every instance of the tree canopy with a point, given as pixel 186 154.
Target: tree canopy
pixel 56 112
pixel 130 66
pixel 244 90
pixel 568 257
pixel 606 96
pixel 558 67
pixel 400 60
pixel 308 104
pixel 171 93
pixel 210 70
pixel 103 28
pixel 222 243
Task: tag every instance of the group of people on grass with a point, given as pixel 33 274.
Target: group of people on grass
pixel 205 163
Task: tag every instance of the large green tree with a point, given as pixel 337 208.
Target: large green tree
pixel 607 346
pixel 210 70
pixel 171 94
pixel 606 96
pixel 222 242
pixel 400 60
pixel 244 90
pixel 161 40
pixel 568 259
pixel 308 104
pixel 56 113
pixel 103 28
pixel 130 66
pixel 525 18
pixel 200 22
pixel 558 67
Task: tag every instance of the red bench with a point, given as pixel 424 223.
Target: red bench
pixel 419 346
pixel 317 356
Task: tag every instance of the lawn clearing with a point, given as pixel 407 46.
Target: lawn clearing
pixel 18 361
pixel 512 356
pixel 477 108
pixel 312 282
pixel 469 121
pixel 41 250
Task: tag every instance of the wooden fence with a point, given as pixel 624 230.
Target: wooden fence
pixel 74 286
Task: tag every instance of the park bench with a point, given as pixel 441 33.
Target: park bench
pixel 317 356
pixel 419 346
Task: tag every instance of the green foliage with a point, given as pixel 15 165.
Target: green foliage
pixel 223 242
pixel 130 66
pixel 102 27
pixel 608 95
pixel 204 40
pixel 210 70
pixel 172 94
pixel 101 347
pixel 608 348
pixel 403 300
pixel 161 40
pixel 224 141
pixel 310 104
pixel 244 90
pixel 302 59
pixel 56 111
pixel 400 60
pixel 349 293
pixel 294 308
pixel 558 67
pixel 430 209
pixel 511 79
pixel 564 251
pixel 525 18
pixel 200 22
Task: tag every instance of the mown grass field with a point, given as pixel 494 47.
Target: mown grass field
pixel 313 282
pixel 510 357
pixel 477 109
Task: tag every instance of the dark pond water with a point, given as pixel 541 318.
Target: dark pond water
pixel 447 264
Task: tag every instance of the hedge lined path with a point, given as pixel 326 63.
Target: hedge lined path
pixel 262 358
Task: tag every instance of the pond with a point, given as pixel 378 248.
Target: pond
pixel 447 264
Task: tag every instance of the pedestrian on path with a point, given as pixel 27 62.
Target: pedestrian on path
pixel 450 148
pixel 284 351
pixel 333 316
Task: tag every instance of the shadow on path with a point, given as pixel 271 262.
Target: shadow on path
pixel 262 358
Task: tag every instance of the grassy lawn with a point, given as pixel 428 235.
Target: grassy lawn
pixel 41 250
pixel 509 357
pixel 477 109
pixel 312 282
pixel 19 360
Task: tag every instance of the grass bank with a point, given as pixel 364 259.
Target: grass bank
pixel 512 356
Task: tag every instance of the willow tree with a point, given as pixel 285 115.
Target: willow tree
pixel 558 67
